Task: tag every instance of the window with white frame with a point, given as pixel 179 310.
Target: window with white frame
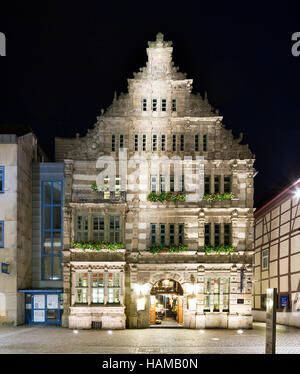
pixel 153 179
pixel 265 259
pixel 113 286
pixel 162 183
pixel 81 288
pixel 214 299
pixel 98 288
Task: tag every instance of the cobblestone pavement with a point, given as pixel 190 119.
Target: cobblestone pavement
pixel 49 339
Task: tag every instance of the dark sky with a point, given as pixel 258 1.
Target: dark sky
pixel 65 60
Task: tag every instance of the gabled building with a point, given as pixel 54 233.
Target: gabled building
pixel 167 257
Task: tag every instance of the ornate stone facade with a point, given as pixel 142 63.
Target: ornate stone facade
pixel 158 117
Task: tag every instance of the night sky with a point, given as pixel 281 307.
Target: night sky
pixel 64 63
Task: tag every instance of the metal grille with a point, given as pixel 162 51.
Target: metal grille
pixel 96 325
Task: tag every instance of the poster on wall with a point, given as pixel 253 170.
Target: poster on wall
pixel 39 301
pixel 38 316
pixel 52 301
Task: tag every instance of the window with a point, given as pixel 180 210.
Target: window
pixel 51 255
pixel 121 141
pixel 182 142
pixel 81 288
pixel 113 285
pixel 172 234
pixel 207 234
pixel 163 142
pixel 113 143
pixel 172 186
pixel 162 183
pixel 180 233
pixel 163 105
pixel 162 234
pixel 98 288
pixel 207 184
pixel 153 234
pixel 181 183
pixel 213 299
pixel 227 183
pixel 174 105
pixel 2 178
pixel 204 143
pixel 207 288
pixel 217 183
pixel 217 234
pixel 136 142
pixel 144 142
pixel 196 143
pixel 82 230
pixel 174 143
pixel 216 291
pixel 263 301
pixel 98 228
pixel 154 142
pixel 154 105
pixel 1 234
pixel 265 259
pixel 114 229
pixel 153 183
pixel 144 105
pixel 227 233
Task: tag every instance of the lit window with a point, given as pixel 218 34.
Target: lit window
pixel 163 105
pixel 98 288
pixel 2 178
pixel 113 288
pixel 265 259
pixel 81 288
pixel 106 193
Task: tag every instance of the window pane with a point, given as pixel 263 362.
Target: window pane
pixel 98 295
pixel 47 192
pixel 56 217
pixel 52 315
pixel 56 192
pixel 47 217
pixel 46 266
pixel 47 243
pixel 57 267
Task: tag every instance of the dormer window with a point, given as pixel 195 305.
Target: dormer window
pixel 154 105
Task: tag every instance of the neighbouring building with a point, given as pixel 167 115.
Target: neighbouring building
pixel 164 258
pixel 277 253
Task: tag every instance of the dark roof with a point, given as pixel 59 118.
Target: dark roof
pixel 292 176
pixel 17 129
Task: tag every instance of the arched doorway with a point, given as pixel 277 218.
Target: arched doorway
pixel 166 299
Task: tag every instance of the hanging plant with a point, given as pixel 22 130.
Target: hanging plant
pixel 218 249
pixel 218 196
pixel 166 248
pixel 97 246
pixel 166 196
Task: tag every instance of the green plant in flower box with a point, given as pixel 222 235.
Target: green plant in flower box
pixel 166 196
pixel 218 196
pixel 97 246
pixel 218 249
pixel 165 248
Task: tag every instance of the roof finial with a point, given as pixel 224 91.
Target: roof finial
pixel 160 37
